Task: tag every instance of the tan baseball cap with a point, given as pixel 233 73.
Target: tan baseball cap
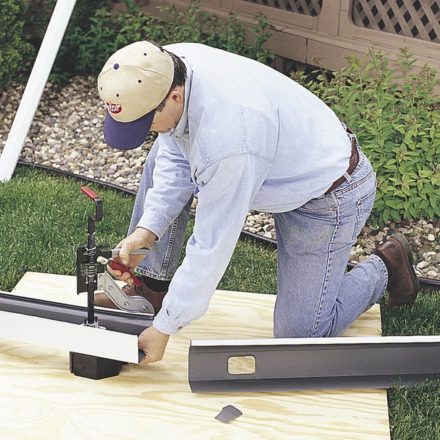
pixel 132 83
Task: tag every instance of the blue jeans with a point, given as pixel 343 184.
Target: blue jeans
pixel 316 297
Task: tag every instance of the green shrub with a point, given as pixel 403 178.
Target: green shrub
pixel 38 13
pixel 97 44
pixel 395 114
pixel 194 25
pixel 14 50
pixel 94 33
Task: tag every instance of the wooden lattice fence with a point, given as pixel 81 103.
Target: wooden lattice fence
pixel 306 7
pixel 325 32
pixel 412 18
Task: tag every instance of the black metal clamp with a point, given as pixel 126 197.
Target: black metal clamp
pixel 87 268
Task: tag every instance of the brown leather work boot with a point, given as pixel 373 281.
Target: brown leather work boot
pixel 154 297
pixel 403 285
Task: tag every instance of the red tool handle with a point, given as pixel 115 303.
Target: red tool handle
pixel 123 268
pixel 89 193
pixel 98 202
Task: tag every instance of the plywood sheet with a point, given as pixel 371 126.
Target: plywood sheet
pixel 40 399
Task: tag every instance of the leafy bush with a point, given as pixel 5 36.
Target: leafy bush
pixel 97 44
pixel 395 114
pixel 38 13
pixel 13 48
pixel 195 25
pixel 94 33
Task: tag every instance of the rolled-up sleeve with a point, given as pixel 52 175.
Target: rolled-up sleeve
pixel 172 187
pixel 226 189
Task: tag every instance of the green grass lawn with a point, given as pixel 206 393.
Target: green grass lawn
pixel 43 218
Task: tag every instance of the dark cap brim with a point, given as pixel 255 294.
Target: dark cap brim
pixel 127 135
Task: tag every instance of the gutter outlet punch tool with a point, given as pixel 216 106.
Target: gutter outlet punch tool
pixel 99 342
pixel 92 276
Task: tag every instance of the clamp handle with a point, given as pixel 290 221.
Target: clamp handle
pixel 98 202
pixel 115 265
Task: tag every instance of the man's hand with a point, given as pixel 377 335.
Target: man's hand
pixel 153 343
pixel 140 238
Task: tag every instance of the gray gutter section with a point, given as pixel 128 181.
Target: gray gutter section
pixel 314 366
pixel 128 323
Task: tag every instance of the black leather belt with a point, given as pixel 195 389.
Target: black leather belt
pixel 354 159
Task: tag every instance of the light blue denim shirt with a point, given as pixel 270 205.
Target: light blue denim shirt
pixel 250 138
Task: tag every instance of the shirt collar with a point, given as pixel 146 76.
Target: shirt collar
pixel 182 125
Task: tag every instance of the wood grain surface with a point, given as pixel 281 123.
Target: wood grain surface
pixel 40 399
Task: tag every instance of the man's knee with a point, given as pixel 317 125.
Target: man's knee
pixel 292 330
pixel 297 329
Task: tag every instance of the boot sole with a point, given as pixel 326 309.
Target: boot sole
pixel 409 260
pixel 102 300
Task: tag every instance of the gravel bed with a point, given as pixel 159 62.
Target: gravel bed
pixel 67 134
